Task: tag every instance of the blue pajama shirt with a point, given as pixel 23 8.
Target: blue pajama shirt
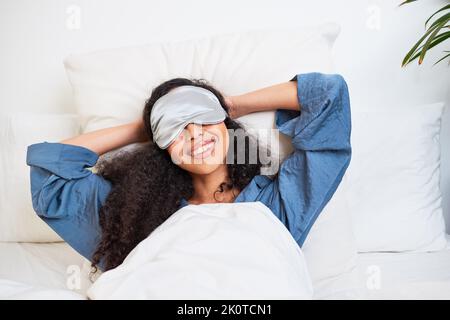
pixel 68 196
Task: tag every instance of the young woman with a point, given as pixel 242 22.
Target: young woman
pixel 104 215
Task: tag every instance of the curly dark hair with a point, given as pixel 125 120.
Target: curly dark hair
pixel 147 187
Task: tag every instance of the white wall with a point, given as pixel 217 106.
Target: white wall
pixel 36 35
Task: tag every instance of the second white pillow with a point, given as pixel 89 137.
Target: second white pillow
pixel 394 175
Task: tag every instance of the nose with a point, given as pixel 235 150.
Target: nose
pixel 195 130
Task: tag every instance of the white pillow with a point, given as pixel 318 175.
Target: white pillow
pixel 212 251
pixel 111 87
pixel 18 221
pixel 394 192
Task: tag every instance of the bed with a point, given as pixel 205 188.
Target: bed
pixel 392 276
pixel 44 271
pixel 406 258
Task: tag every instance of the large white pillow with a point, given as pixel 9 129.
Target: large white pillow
pixel 110 88
pixel 18 221
pixel 394 192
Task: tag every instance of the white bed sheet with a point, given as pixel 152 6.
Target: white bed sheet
pixel 405 275
pixel 424 275
pixel 48 271
pixel 42 271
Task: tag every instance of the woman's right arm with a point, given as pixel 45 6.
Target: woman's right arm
pixel 104 140
pixel 65 193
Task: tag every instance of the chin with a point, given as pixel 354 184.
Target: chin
pixel 203 168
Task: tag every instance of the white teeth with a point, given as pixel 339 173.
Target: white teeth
pixel 203 149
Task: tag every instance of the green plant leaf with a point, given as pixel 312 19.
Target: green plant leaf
pixel 413 50
pixel 446 56
pixel 445 18
pixel 429 40
pixel 432 36
pixel 447 7
pixel 438 39
pixel 405 2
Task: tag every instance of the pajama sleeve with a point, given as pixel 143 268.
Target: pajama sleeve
pixel 66 194
pixel 320 133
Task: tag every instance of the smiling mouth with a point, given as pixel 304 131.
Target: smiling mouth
pixel 204 150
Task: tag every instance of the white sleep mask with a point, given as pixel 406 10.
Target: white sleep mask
pixel 180 106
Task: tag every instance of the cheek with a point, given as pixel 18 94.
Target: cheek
pixel 175 151
pixel 225 139
pixel 225 142
pixel 221 148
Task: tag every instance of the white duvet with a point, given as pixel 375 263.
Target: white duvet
pixel 212 251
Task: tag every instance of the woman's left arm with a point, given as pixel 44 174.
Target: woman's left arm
pixel 313 109
pixel 278 96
